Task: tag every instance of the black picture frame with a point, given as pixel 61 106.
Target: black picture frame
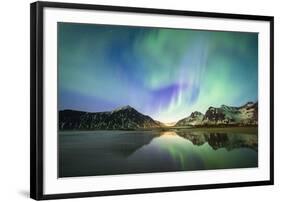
pixel 37 101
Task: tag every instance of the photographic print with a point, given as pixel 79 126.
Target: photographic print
pixel 135 99
pixel 128 100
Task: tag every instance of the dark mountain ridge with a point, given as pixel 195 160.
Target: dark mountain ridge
pixel 122 118
pixel 128 118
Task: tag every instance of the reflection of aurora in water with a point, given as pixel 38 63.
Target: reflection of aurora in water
pixel 124 152
pixel 216 150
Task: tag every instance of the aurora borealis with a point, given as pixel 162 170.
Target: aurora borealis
pixel 163 73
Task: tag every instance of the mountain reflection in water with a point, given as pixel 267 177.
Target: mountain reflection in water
pixel 218 140
pixel 126 152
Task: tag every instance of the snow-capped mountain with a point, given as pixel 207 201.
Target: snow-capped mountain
pixel 194 119
pixel 244 115
pixel 224 115
pixel 128 118
pixel 121 118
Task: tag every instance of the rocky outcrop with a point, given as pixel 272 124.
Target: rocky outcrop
pixel 194 119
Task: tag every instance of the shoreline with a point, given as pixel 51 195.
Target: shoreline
pixel 253 129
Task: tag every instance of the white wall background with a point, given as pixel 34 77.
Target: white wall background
pixel 14 100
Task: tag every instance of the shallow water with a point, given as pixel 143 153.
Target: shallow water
pixel 122 152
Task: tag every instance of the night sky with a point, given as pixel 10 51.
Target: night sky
pixel 163 73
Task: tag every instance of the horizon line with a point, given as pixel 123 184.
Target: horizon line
pixel 123 106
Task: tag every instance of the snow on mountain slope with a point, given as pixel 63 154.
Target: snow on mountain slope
pixel 224 115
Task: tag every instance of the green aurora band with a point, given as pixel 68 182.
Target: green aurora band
pixel 164 73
